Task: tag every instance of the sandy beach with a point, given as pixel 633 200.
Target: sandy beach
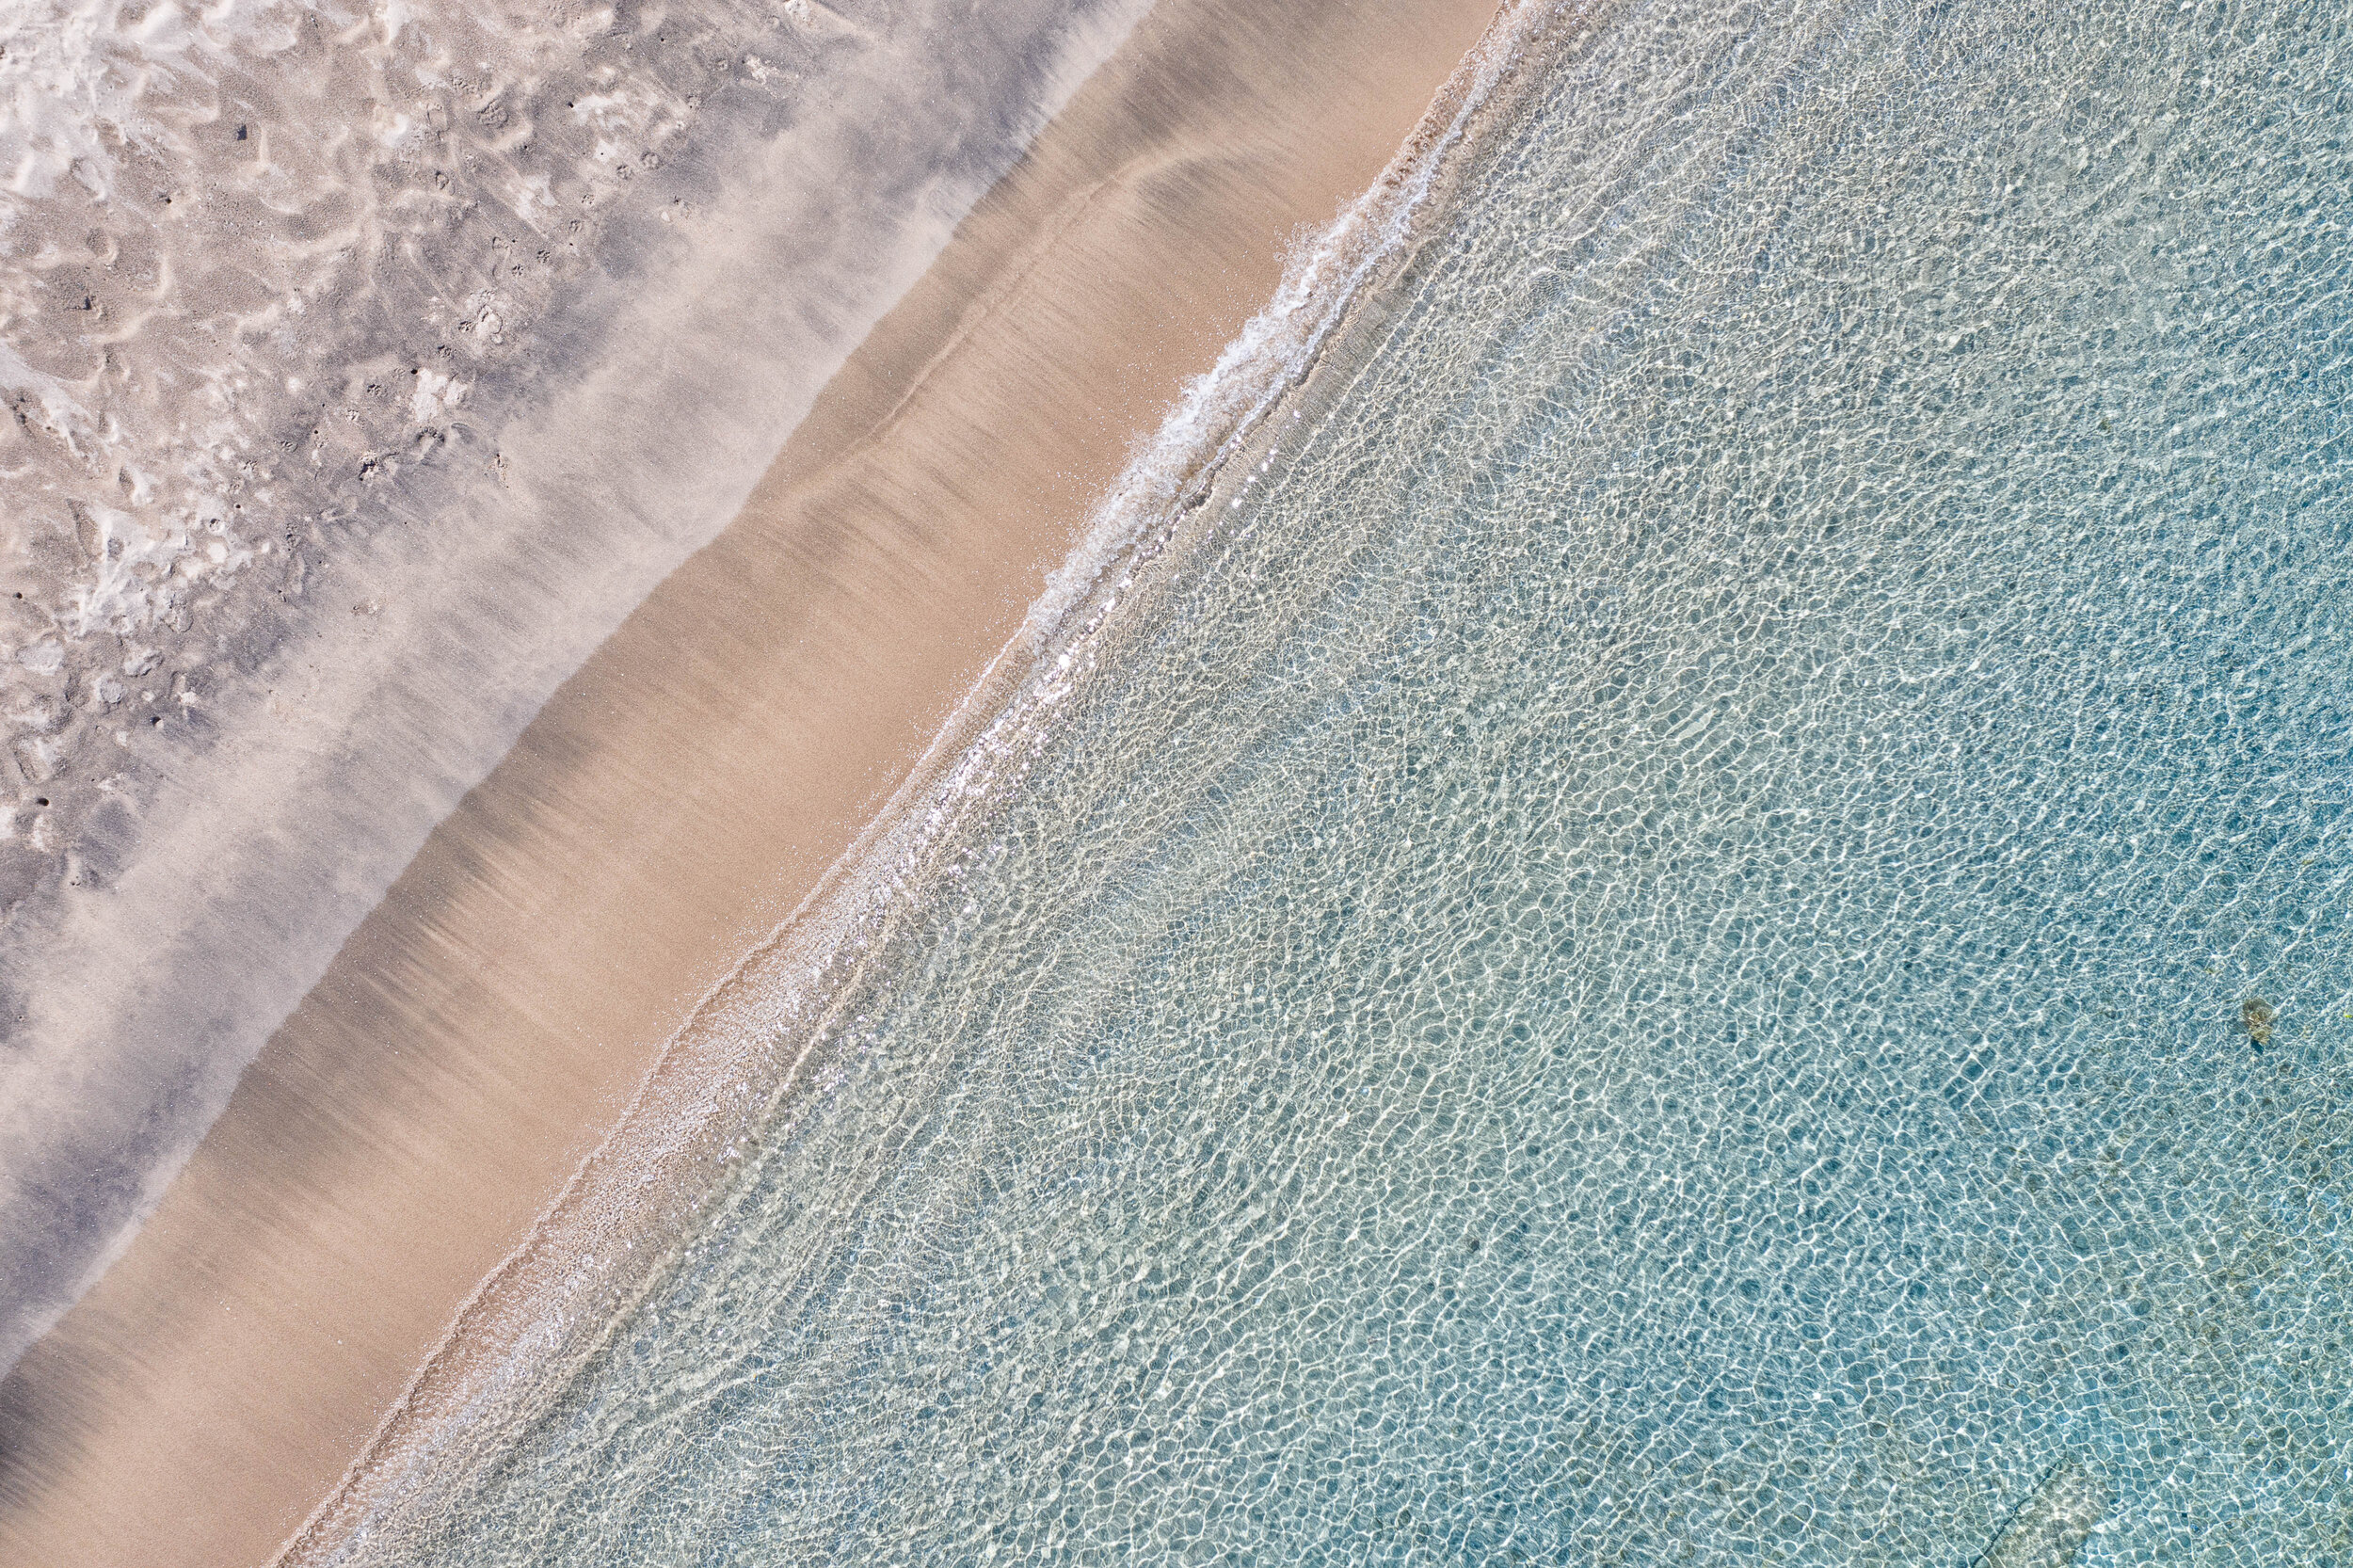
pixel 687 787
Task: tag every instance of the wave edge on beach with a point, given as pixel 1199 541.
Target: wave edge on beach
pixel 758 1040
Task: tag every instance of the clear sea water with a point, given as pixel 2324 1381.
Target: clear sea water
pixel 1711 928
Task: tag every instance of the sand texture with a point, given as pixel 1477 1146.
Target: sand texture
pixel 687 787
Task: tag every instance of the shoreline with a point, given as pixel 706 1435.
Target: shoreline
pixel 480 1035
pixel 520 1340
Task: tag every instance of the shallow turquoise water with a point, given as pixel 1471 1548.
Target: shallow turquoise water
pixel 1640 957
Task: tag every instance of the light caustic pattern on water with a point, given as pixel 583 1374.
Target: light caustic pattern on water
pixel 1712 927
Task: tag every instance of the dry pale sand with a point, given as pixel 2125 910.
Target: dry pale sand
pixel 485 1026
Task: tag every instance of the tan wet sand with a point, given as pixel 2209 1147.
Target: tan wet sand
pixel 485 1027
